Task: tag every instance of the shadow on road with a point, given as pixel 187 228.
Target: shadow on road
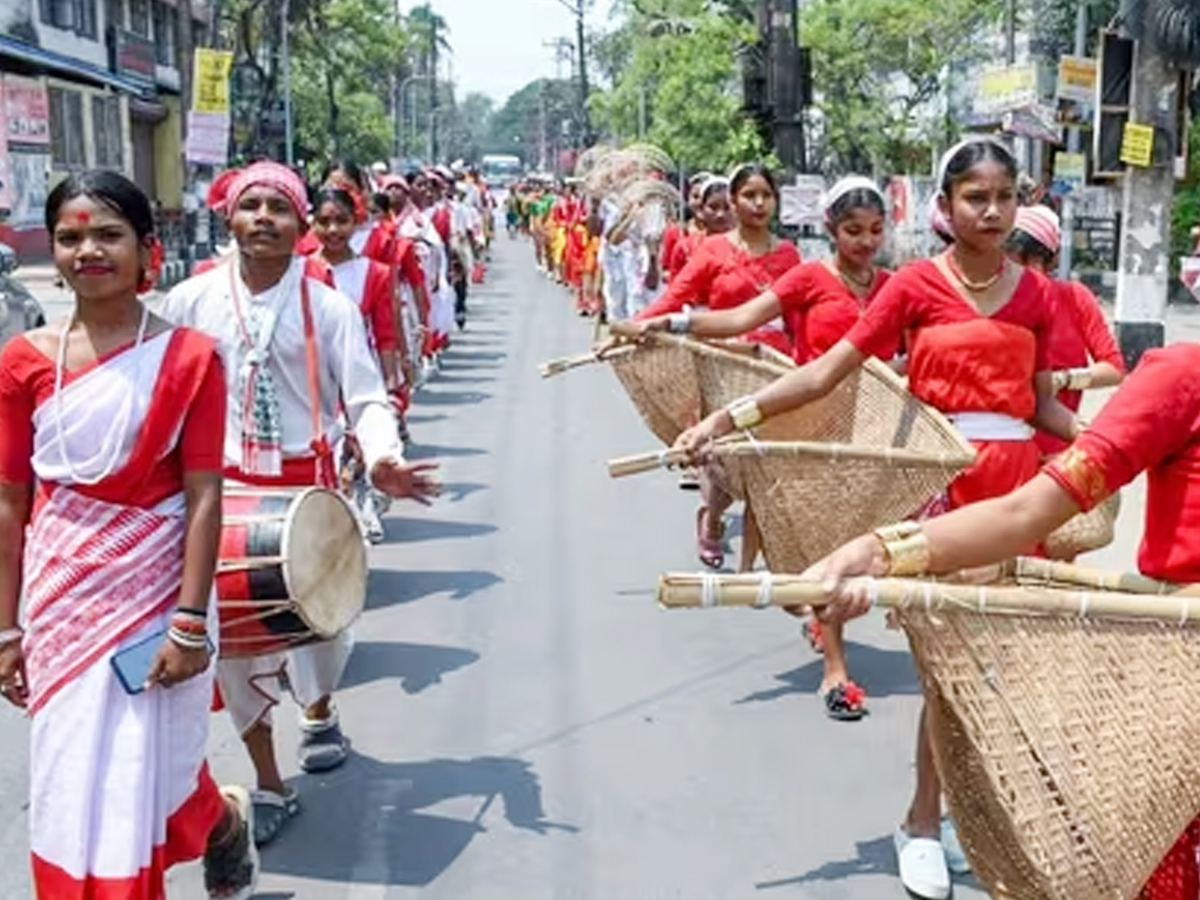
pixel 390 587
pixel 363 824
pixel 452 398
pixel 417 450
pixel 464 356
pixel 875 857
pixel 415 666
pixel 451 378
pixel 407 530
pixel 884 673
pixel 460 490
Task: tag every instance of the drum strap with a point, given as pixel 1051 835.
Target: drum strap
pixel 326 475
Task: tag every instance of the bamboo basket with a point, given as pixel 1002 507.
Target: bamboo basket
pixel 1086 531
pixel 1061 703
pixel 675 381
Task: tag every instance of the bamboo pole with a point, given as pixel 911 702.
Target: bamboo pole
pixel 763 589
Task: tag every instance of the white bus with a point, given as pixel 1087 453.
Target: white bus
pixel 500 170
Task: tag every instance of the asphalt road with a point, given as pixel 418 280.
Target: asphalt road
pixel 526 722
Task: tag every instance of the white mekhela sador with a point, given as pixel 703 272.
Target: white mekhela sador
pixel 119 786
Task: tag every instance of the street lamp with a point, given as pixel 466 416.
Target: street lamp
pixel 400 104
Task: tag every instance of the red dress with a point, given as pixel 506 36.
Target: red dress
pixel 963 362
pixel 670 240
pixel 818 308
pixel 722 276
pixel 1151 425
pixel 677 254
pixel 1078 334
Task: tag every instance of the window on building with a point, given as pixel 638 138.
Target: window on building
pixel 85 18
pixel 114 14
pixel 139 17
pixel 67 145
pixel 59 13
pixel 165 19
pixel 106 128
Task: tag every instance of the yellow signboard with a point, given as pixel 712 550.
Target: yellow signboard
pixel 211 82
pixel 1009 88
pixel 1077 79
pixel 1137 145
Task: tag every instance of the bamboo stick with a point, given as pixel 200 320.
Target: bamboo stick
pixel 566 363
pixel 763 589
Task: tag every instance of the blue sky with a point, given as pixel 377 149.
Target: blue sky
pixel 498 43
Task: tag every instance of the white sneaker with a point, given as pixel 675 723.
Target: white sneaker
pixel 922 864
pixel 956 859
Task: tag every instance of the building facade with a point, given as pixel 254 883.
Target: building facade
pixel 88 84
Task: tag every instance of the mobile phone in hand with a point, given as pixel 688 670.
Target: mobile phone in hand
pixel 132 665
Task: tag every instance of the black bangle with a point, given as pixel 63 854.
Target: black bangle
pixel 192 611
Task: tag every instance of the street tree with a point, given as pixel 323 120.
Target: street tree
pixel 675 81
pixel 880 68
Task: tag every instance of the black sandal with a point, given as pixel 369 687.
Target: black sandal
pixel 845 702
pixel 231 867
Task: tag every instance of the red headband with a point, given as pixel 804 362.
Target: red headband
pixel 1040 223
pixel 229 186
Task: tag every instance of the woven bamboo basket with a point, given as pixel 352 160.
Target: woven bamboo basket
pixel 1061 707
pixel 675 381
pixel 867 454
pixel 1086 531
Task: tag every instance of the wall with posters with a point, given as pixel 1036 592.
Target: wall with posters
pixel 24 162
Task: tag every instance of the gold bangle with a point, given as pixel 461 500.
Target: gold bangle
pixel 898 532
pixel 744 413
pixel 908 556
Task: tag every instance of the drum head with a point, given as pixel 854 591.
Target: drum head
pixel 326 568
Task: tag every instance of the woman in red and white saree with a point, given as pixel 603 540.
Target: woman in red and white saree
pixel 111 451
pixel 976 326
pixel 1152 425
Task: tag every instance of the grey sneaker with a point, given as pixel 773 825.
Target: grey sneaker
pixel 323 747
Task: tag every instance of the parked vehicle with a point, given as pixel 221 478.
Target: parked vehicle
pixel 19 311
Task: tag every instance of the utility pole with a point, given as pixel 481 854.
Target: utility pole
pixel 433 93
pixel 1147 194
pixel 289 153
pixel 783 83
pixel 578 9
pixel 1067 252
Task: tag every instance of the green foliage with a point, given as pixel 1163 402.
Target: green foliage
pixel 880 67
pixel 681 91
pixel 1185 212
pixel 1053 24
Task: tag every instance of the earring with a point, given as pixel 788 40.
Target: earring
pixel 154 264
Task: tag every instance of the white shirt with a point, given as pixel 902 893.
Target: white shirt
pixel 347 366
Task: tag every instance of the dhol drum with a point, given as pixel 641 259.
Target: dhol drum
pixel 292 569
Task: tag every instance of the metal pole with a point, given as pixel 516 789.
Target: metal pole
pixel 641 112
pixel 288 151
pixel 585 137
pixel 1067 253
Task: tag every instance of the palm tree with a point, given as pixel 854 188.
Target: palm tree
pixel 429 33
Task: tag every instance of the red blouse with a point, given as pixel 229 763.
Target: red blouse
pixel 818 308
pixel 1152 425
pixel 959 359
pixel 963 362
pixel 188 399
pixel 1078 335
pixel 680 250
pixel 670 240
pixel 722 276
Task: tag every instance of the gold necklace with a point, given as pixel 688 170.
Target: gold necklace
pixel 850 279
pixel 975 287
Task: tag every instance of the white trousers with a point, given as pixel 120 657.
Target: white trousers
pixel 250 687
